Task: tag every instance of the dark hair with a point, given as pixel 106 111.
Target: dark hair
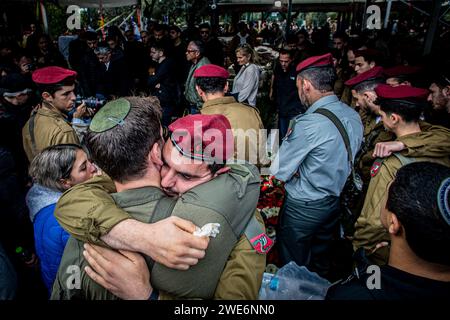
pixel 123 150
pixel 200 46
pixel 211 84
pixel 337 54
pixel 204 26
pixel 111 38
pixel 322 78
pixel 409 110
pixel 341 35
pixel 403 78
pixel 291 38
pixel 368 55
pixel 303 32
pixel 90 36
pixel 290 53
pixel 160 27
pixel 175 28
pixel 162 45
pixel 52 88
pixel 412 197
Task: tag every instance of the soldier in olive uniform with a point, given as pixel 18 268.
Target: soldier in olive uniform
pixel 363 90
pixel 48 125
pixel 400 109
pixel 230 257
pixel 211 84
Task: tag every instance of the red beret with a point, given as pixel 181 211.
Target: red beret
pixel 203 137
pixel 401 71
pixel 371 74
pixel 52 75
pixel 211 71
pixel 325 60
pixel 401 92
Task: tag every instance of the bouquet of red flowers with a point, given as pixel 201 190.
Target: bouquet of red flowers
pixel 270 201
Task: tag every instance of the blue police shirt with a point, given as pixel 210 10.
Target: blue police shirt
pixel 312 159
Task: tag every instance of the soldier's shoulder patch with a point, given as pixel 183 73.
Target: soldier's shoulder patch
pixel 290 129
pixel 376 167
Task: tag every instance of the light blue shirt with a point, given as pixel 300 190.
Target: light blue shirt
pixel 312 159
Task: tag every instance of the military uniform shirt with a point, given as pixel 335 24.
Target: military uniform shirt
pixel 432 144
pixel 50 128
pixel 312 159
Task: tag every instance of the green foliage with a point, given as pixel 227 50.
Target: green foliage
pixel 56 18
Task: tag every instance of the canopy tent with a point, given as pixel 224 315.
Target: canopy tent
pixel 98 3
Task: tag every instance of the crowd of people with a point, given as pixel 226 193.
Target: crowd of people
pixel 121 154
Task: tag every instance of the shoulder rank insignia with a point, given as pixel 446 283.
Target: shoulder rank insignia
pixel 375 167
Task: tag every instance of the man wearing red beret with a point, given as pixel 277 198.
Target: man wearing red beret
pixel 49 125
pixel 211 85
pixel 189 165
pixel 314 163
pixel 363 90
pixel 400 109
pixel 401 75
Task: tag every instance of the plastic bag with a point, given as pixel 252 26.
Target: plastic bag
pixel 292 282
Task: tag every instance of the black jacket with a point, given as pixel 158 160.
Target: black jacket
pixel 285 92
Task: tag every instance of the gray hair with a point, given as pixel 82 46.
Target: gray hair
pixel 322 78
pixel 53 164
pixel 367 86
pixel 102 50
pixel 199 45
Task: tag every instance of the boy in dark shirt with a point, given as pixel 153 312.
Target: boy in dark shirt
pixel 417 216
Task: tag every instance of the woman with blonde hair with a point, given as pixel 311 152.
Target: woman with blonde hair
pixel 246 82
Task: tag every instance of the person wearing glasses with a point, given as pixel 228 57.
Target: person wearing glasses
pixel 246 82
pixel 195 54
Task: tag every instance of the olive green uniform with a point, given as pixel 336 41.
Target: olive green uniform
pixel 374 132
pixel 242 118
pixel 50 127
pixel 87 211
pixel 430 145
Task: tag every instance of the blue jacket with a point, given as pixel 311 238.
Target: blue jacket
pixel 50 238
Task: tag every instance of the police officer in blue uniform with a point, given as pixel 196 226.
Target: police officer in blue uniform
pixel 313 161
